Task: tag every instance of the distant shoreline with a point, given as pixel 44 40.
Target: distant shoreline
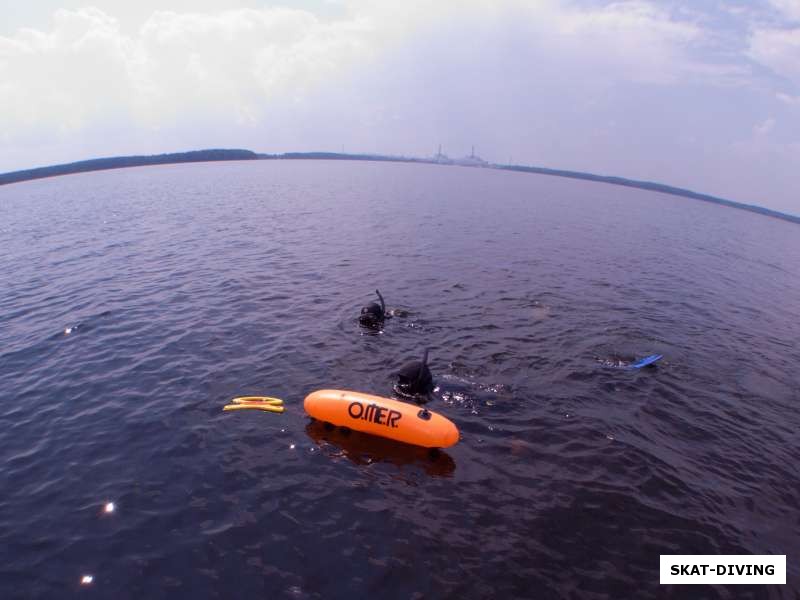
pixel 120 162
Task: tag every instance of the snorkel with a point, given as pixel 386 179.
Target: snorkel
pixel 383 304
pixel 423 369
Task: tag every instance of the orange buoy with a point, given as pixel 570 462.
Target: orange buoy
pixel 387 418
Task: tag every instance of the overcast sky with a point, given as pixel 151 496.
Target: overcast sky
pixel 703 94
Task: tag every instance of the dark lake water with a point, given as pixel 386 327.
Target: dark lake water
pixel 135 303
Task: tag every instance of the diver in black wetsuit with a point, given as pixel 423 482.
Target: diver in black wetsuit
pixel 415 380
pixel 373 314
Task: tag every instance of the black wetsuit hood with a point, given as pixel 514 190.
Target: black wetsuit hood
pixel 373 313
pixel 415 378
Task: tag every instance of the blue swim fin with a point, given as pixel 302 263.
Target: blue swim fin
pixel 647 360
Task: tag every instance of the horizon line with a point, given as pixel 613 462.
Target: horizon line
pixel 227 154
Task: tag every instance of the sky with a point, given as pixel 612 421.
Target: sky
pixel 702 94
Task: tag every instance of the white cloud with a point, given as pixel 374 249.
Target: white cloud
pixel 178 65
pixel 777 49
pixel 239 63
pixel 790 9
pixel 763 128
pixel 788 98
pixel 634 40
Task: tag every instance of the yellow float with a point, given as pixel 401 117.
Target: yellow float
pixel 266 403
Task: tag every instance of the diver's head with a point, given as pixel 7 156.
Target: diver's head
pixel 415 378
pixel 373 314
